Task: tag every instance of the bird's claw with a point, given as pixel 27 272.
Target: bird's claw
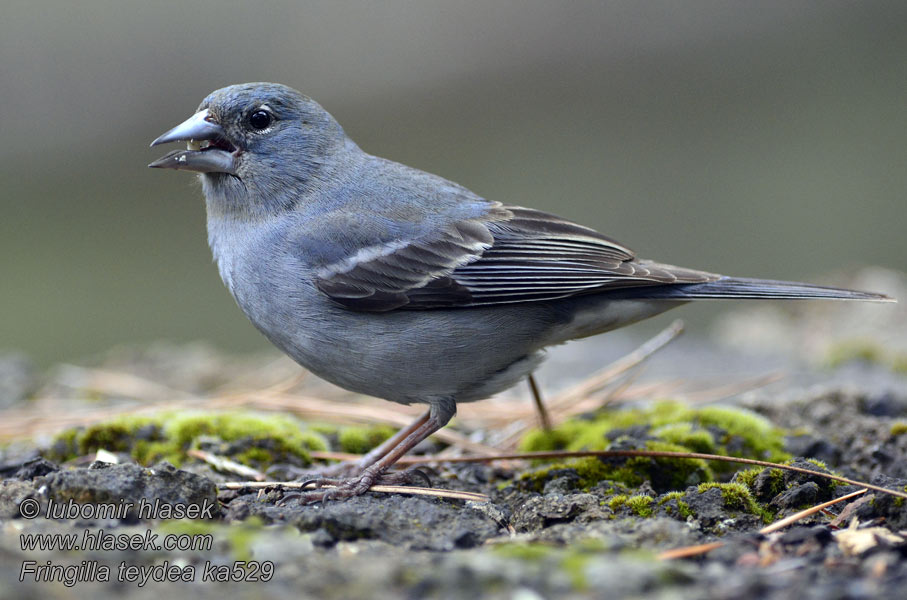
pixel 325 488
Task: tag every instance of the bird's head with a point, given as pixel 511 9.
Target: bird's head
pixel 254 143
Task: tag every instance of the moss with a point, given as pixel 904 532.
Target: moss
pixel 737 497
pixel 574 564
pixel 255 456
pixel 898 428
pixel 617 502
pixel 709 429
pixel 190 527
pixel 572 561
pixel 735 494
pixel 233 426
pixel 670 473
pixel 241 535
pixel 116 435
pixel 69 444
pixel 664 473
pixel 822 482
pixel 760 439
pixel 540 440
pixel 684 509
pixel 591 471
pixel 148 453
pixel 531 552
pixel 684 434
pixel 776 482
pixel 535 480
pixel 268 438
pixel 772 481
pixel 641 505
pixel 359 440
pixel 747 476
pixel 325 429
pixel 64 446
pixel 818 463
pixel 68 437
pixel 854 349
pixel 671 496
pixel 167 436
pixel 866 350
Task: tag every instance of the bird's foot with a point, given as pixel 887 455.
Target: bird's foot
pixel 327 488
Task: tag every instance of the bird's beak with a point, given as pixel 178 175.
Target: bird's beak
pixel 208 150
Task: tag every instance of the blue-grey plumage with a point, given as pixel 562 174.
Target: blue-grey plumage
pixel 393 282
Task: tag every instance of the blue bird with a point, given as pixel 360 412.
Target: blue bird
pixel 396 283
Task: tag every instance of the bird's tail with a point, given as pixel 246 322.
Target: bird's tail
pixel 745 288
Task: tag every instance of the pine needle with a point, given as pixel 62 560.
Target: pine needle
pixel 387 489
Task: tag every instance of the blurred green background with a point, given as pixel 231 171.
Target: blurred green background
pixel 752 138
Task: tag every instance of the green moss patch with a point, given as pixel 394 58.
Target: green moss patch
pixel 666 426
pixel 530 552
pixel 737 497
pixel 710 429
pixel 252 439
pixel 866 350
pixel 573 560
pixel 674 501
pixel 591 472
pixel 641 505
pixel 359 440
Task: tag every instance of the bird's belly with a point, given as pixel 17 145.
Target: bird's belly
pixel 403 356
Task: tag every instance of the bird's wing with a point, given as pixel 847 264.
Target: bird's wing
pixel 512 254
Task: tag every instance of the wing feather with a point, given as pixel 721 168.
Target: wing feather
pixel 511 254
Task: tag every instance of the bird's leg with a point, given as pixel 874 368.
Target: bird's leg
pixel 544 419
pixel 350 468
pixel 376 472
pixel 380 451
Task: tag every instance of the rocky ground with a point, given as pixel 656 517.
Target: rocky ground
pixel 573 529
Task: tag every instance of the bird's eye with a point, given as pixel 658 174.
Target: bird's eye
pixel 260 119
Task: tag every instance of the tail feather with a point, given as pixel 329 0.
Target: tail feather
pixel 745 288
